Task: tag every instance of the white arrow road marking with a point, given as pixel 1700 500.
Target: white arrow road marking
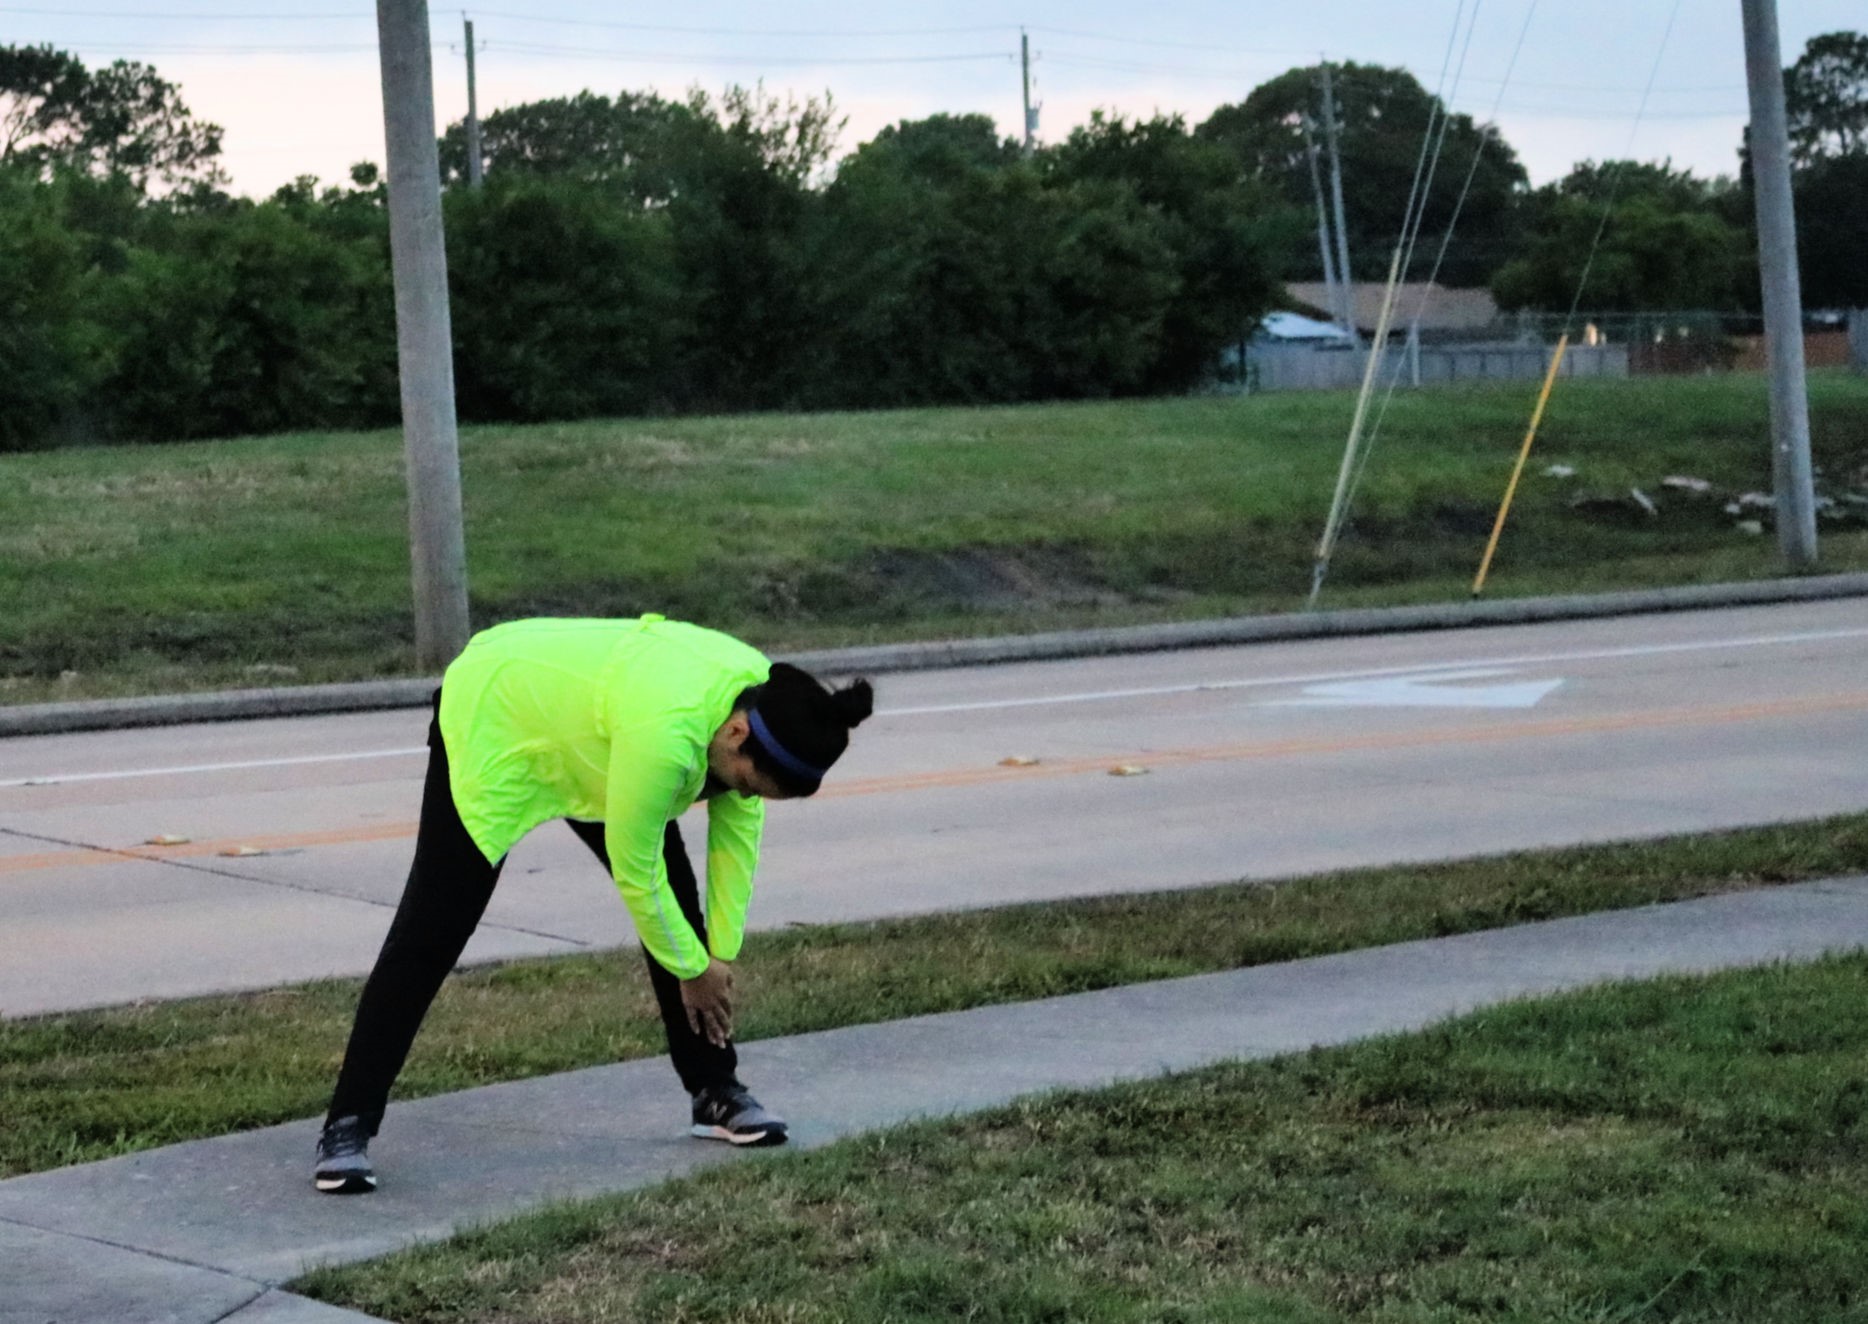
pixel 1435 690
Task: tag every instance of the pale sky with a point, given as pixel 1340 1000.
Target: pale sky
pixel 296 85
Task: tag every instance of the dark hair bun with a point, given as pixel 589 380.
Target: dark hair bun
pixel 806 724
pixel 854 702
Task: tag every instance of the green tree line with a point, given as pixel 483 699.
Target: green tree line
pixel 635 254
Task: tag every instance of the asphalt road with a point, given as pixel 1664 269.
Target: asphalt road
pixel 1261 761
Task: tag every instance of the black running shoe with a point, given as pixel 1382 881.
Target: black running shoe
pixel 730 1113
pixel 343 1166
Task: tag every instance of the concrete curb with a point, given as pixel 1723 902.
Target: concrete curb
pixel 375 695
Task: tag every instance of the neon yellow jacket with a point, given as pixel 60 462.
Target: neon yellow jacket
pixel 608 721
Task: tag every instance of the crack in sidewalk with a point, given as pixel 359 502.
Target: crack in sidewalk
pixel 162 1256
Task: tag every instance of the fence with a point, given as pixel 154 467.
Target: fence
pixel 1518 348
pixel 1821 349
pixel 1307 367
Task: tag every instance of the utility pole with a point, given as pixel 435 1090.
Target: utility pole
pixel 424 340
pixel 1336 191
pixel 1783 298
pixel 1323 233
pixel 476 166
pixel 1031 116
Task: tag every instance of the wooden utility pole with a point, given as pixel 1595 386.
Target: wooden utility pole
pixel 1783 297
pixel 476 166
pixel 1330 127
pixel 1031 120
pixel 424 339
pixel 1337 311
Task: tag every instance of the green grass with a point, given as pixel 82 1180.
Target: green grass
pixel 87 1085
pixel 1685 1150
pixel 283 559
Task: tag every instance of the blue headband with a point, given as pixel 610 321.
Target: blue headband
pixel 784 757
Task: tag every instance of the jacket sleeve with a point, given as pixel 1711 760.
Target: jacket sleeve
pixel 734 825
pixel 644 782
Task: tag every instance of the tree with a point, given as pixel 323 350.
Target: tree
pixel 793 140
pixel 740 206
pixel 1230 237
pixel 948 268
pixel 915 271
pixel 565 305
pixel 49 351
pixel 948 272
pixel 1605 182
pixel 258 319
pixel 938 150
pixel 1384 115
pixel 122 120
pixel 1667 244
pixel 1826 97
pixel 636 142
pixel 1832 199
pixel 627 143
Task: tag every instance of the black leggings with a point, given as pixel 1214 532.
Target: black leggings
pixel 449 886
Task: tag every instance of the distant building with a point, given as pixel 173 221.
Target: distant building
pixel 1442 311
pixel 1461 338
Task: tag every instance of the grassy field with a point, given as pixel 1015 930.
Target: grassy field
pixel 283 559
pixel 1687 1150
pixel 87 1085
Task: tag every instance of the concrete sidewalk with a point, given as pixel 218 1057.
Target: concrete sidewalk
pixel 204 1232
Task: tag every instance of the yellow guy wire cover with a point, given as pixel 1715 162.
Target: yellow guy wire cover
pixel 1524 454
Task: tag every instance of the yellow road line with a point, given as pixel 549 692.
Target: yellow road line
pixel 1353 744
pixel 1075 767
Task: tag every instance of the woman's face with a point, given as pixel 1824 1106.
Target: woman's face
pixel 728 764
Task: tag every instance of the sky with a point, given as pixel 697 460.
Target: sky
pixel 296 86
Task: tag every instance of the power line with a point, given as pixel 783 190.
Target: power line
pixel 1206 46
pixel 1072 58
pixel 327 15
pixel 1348 472
pixel 1446 243
pixel 1681 90
pixel 143 48
pixel 1608 207
pixel 746 32
pixel 1061 58
pixel 1130 66
pixel 654 57
pixel 1618 117
pixel 222 16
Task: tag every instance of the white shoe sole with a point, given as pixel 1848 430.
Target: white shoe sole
pixel 704 1132
pixel 348 1183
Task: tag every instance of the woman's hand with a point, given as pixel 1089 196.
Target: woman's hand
pixel 708 998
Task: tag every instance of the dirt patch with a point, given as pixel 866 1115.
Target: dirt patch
pixel 898 584
pixel 1466 519
pixel 990 579
pixel 883 586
